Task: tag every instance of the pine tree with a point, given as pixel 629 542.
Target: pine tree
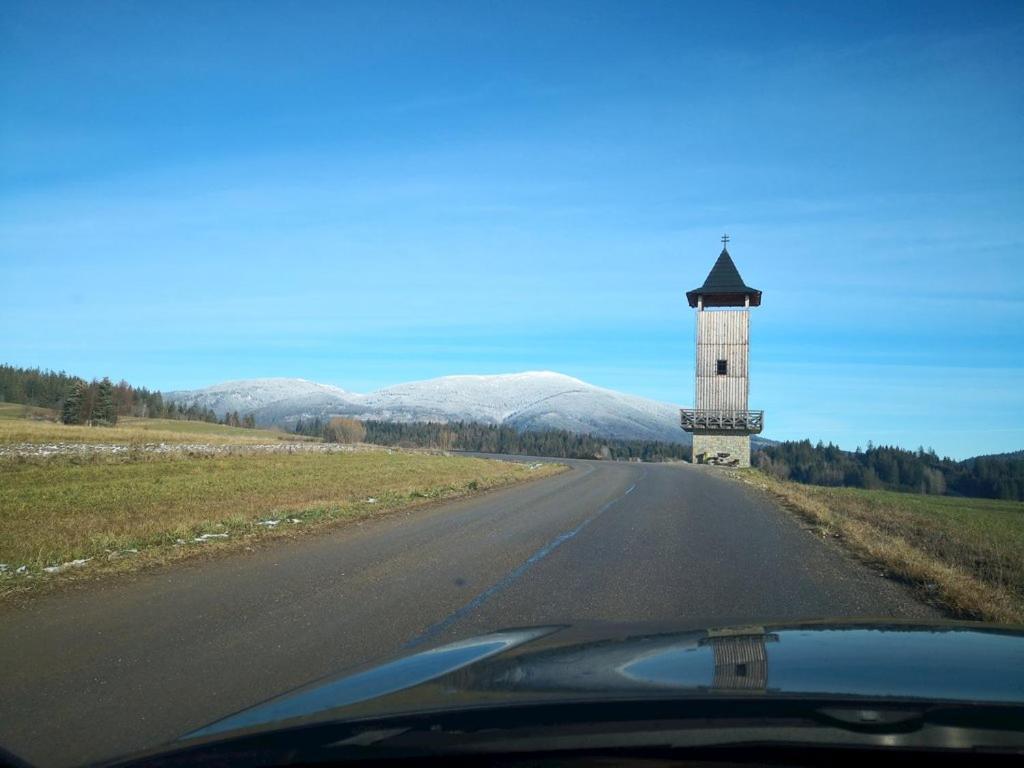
pixel 71 411
pixel 104 412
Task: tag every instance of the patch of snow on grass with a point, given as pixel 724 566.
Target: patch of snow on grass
pixel 209 536
pixel 66 566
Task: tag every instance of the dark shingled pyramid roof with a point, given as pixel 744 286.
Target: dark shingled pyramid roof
pixel 724 287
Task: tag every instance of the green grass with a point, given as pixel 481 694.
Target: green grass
pixel 19 411
pixel 59 509
pixel 968 553
pixel 949 521
pixel 204 429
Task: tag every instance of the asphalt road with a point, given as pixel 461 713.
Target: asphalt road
pixel 95 672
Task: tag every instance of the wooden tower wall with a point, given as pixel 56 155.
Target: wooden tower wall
pixel 723 335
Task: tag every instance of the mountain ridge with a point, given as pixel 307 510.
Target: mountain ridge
pixel 527 400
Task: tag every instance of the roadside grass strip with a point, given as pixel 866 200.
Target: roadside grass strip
pixel 963 554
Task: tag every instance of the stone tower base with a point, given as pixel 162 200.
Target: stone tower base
pixel 709 447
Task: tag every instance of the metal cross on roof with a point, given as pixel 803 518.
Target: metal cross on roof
pixel 725 241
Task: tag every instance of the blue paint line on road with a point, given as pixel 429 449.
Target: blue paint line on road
pixel 510 578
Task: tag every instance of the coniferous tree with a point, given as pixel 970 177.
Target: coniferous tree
pixel 104 411
pixel 71 411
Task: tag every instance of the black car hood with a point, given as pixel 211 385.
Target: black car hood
pixel 951 662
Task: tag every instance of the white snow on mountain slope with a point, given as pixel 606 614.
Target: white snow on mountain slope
pixel 255 395
pixel 487 399
pixel 528 401
pixel 532 400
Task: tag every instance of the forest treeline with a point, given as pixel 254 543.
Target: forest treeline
pixel 490 438
pixel 99 401
pixel 890 468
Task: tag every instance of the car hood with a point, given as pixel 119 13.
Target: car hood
pixel 946 662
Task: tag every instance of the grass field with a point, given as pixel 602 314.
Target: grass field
pixel 18 411
pixel 966 553
pixel 25 424
pixel 58 510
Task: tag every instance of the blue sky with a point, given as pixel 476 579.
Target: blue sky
pixel 370 193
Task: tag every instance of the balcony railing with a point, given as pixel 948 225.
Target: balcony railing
pixel 727 421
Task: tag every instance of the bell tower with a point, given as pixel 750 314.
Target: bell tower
pixel 720 420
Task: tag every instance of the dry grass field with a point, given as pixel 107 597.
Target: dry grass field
pixel 965 553
pixel 27 424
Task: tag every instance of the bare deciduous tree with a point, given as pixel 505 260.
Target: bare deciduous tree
pixel 342 430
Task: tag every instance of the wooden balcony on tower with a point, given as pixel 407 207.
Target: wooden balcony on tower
pixel 699 419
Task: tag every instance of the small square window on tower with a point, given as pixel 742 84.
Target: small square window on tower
pixel 723 368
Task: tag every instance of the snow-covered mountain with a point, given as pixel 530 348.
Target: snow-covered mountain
pixel 262 395
pixel 533 400
pixel 528 401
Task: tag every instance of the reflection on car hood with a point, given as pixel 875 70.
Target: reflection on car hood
pixel 953 662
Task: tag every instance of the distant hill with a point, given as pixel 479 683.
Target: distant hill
pixel 1008 455
pixel 535 400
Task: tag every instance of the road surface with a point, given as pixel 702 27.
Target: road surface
pixel 100 671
